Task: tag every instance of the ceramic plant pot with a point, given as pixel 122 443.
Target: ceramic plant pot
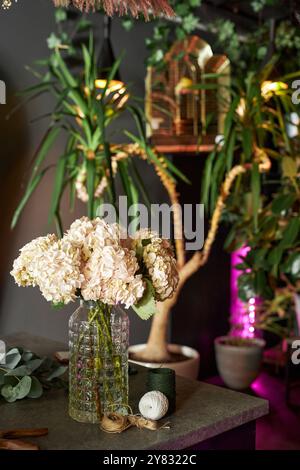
pixel 238 365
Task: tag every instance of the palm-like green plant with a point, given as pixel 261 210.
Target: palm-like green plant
pixel 263 208
pixel 83 114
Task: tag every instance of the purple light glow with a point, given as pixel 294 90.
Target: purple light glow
pixel 242 315
pixel 260 388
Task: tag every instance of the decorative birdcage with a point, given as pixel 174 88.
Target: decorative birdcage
pixel 178 111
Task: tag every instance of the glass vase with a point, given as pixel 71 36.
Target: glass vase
pixel 98 368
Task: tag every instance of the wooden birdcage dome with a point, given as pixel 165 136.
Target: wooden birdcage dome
pixel 191 49
pixel 191 111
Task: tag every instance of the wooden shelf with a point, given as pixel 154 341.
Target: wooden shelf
pixel 192 149
pixel 183 144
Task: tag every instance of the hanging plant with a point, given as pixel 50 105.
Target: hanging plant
pixel 166 31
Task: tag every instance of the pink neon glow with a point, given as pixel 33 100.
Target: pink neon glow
pixel 242 314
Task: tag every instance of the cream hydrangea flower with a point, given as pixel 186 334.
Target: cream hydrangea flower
pixel 110 269
pixel 25 268
pixel 79 230
pixel 60 274
pixel 158 257
pixel 93 259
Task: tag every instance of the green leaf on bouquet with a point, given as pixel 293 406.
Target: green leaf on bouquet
pixel 146 307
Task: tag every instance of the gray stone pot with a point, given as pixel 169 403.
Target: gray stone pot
pixel 238 365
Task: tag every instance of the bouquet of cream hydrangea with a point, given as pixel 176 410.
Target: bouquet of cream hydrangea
pixel 96 261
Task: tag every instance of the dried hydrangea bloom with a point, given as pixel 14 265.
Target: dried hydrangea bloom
pixel 160 262
pixel 98 261
pixel 59 272
pixel 116 291
pixel 110 267
pixel 79 231
pixel 25 268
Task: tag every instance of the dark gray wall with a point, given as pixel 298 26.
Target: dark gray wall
pixel 202 311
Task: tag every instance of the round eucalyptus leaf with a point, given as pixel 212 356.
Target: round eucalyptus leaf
pixel 26 369
pixel 9 393
pixel 18 372
pixel 12 393
pixel 23 387
pixel 36 390
pixel 27 355
pixel 12 359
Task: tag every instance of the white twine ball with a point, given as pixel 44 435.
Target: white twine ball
pixel 154 405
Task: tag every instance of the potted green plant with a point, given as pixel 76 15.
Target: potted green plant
pixel 239 162
pixel 86 107
pixel 262 210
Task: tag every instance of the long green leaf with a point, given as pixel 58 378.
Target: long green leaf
pixel 175 170
pixel 247 144
pixel 45 86
pixel 135 202
pixel 255 186
pixel 59 184
pixel 230 150
pixel 206 180
pixel 87 65
pixel 111 76
pixel 43 150
pixel 138 117
pixel 140 183
pixel 151 155
pixel 126 180
pixel 68 77
pixel 230 117
pixel 91 173
pixel 130 191
pixel 106 148
pixel 291 233
pixel 78 99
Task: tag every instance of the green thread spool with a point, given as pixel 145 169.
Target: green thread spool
pixel 163 380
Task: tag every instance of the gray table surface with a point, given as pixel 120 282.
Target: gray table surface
pixel 203 411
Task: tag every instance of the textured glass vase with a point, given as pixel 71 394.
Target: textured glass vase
pixel 98 345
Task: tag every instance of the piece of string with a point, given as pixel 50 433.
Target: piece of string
pixel 115 423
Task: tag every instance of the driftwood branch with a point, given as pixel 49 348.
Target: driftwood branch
pixel 157 345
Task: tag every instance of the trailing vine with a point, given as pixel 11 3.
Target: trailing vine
pixel 247 51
